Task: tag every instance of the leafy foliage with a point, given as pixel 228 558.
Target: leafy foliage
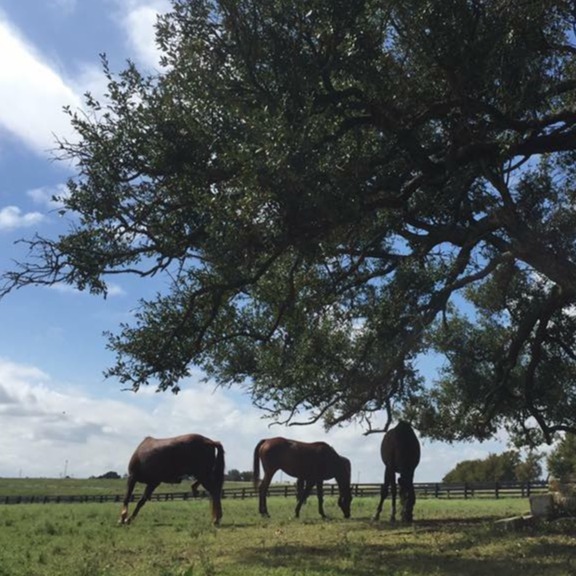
pixel 562 460
pixel 334 189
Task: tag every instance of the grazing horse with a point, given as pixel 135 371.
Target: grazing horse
pixel 171 460
pixel 310 463
pixel 400 451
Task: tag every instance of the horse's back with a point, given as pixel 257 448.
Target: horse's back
pixel 308 460
pixel 170 459
pixel 400 448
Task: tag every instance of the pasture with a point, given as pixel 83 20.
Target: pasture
pixel 448 538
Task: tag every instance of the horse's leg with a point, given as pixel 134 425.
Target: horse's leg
pixel 129 489
pixel 320 494
pixel 383 493
pixel 145 497
pixel 393 490
pixel 303 495
pixel 263 490
pixel 299 488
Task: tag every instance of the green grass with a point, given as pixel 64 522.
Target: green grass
pixel 176 539
pixel 64 486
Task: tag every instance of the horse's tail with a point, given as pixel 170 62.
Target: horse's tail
pixel 217 481
pixel 219 466
pixel 256 466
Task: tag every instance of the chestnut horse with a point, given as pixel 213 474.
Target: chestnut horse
pixel 400 451
pixel 310 463
pixel 171 460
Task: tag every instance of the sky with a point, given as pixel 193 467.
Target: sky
pixel 58 414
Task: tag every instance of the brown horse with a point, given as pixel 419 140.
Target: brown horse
pixel 400 452
pixel 311 463
pixel 171 460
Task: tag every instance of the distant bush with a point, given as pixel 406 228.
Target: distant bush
pixel 111 475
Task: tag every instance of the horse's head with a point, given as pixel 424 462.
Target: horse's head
pixel 344 502
pixel 343 479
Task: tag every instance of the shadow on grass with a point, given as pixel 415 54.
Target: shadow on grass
pixel 470 547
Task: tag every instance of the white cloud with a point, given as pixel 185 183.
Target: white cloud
pixel 113 289
pixel 139 21
pixel 12 217
pixel 32 90
pixel 46 425
pixel 45 195
pixel 32 94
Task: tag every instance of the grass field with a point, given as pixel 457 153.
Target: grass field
pixel 83 486
pixel 451 538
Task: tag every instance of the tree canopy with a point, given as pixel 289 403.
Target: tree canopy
pixel 335 189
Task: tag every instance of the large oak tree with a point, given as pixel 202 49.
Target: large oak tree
pixel 336 188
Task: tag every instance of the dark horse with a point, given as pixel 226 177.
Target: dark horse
pixel 171 460
pixel 311 463
pixel 400 452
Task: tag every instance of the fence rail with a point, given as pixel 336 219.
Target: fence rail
pixel 423 490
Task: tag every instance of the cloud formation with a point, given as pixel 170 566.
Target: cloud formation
pixel 32 94
pixel 12 217
pixel 139 25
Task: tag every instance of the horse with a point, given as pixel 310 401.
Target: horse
pixel 310 463
pixel 400 451
pixel 171 460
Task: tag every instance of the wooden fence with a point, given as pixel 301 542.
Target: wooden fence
pixel 423 490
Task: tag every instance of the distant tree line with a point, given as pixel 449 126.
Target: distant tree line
pixel 505 467
pixel 509 466
pixel 234 475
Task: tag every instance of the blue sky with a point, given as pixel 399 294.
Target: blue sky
pixel 57 412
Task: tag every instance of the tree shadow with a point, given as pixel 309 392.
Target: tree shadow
pixel 470 546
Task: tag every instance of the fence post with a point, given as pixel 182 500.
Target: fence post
pixel 436 490
pixel 465 490
pixel 497 490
